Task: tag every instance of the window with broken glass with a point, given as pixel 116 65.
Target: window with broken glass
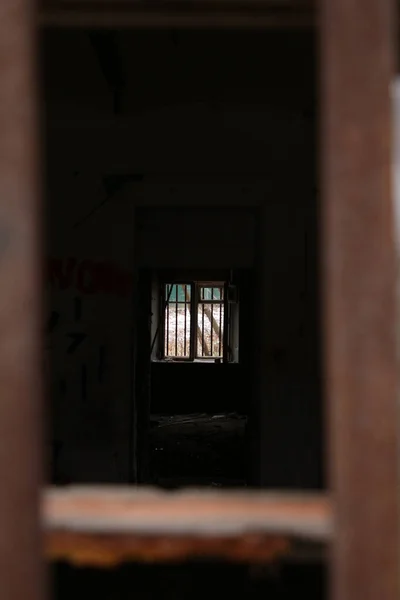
pixel 195 321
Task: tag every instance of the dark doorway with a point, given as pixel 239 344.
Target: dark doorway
pixel 193 360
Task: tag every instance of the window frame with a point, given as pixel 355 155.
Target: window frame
pixel 195 301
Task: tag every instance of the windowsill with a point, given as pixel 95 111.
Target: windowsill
pixel 177 361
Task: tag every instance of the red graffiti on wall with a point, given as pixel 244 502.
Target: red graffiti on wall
pixel 89 276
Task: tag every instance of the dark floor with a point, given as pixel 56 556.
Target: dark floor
pixel 191 581
pixel 193 450
pixel 198 449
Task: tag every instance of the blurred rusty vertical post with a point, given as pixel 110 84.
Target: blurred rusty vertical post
pixel 357 40
pixel 20 348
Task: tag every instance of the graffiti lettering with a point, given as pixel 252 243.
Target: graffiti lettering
pixel 87 280
pixel 89 277
pixel 61 272
pixel 76 340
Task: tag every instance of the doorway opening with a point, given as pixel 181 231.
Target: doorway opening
pixel 193 384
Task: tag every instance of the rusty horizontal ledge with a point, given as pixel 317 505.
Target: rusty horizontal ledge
pixel 108 526
pixel 177 13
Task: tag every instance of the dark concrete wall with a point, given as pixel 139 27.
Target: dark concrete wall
pixel 189 388
pixel 287 359
pixel 195 237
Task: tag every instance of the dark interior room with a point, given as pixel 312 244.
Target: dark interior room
pixel 183 344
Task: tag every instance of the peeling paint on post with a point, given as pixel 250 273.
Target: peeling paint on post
pixel 359 272
pixel 396 210
pixel 20 348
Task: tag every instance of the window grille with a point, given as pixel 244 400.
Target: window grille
pixel 194 321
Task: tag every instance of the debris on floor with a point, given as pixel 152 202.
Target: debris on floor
pixel 198 449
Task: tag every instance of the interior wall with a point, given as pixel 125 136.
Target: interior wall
pixel 179 389
pixel 196 120
pixel 195 237
pixel 287 369
pixel 90 285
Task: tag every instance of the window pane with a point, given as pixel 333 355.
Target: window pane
pixel 217 293
pixel 177 292
pixel 210 330
pixel 206 293
pixel 170 295
pixel 177 321
pixel 181 293
pixel 211 293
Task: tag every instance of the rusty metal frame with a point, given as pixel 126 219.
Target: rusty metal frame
pixel 104 527
pixel 21 573
pixel 359 271
pixel 178 13
pixel 359 274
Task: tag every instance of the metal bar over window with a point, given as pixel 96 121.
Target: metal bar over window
pixel 185 332
pixel 167 329
pixel 203 351
pixel 21 573
pixel 221 334
pixel 176 319
pixel 357 43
